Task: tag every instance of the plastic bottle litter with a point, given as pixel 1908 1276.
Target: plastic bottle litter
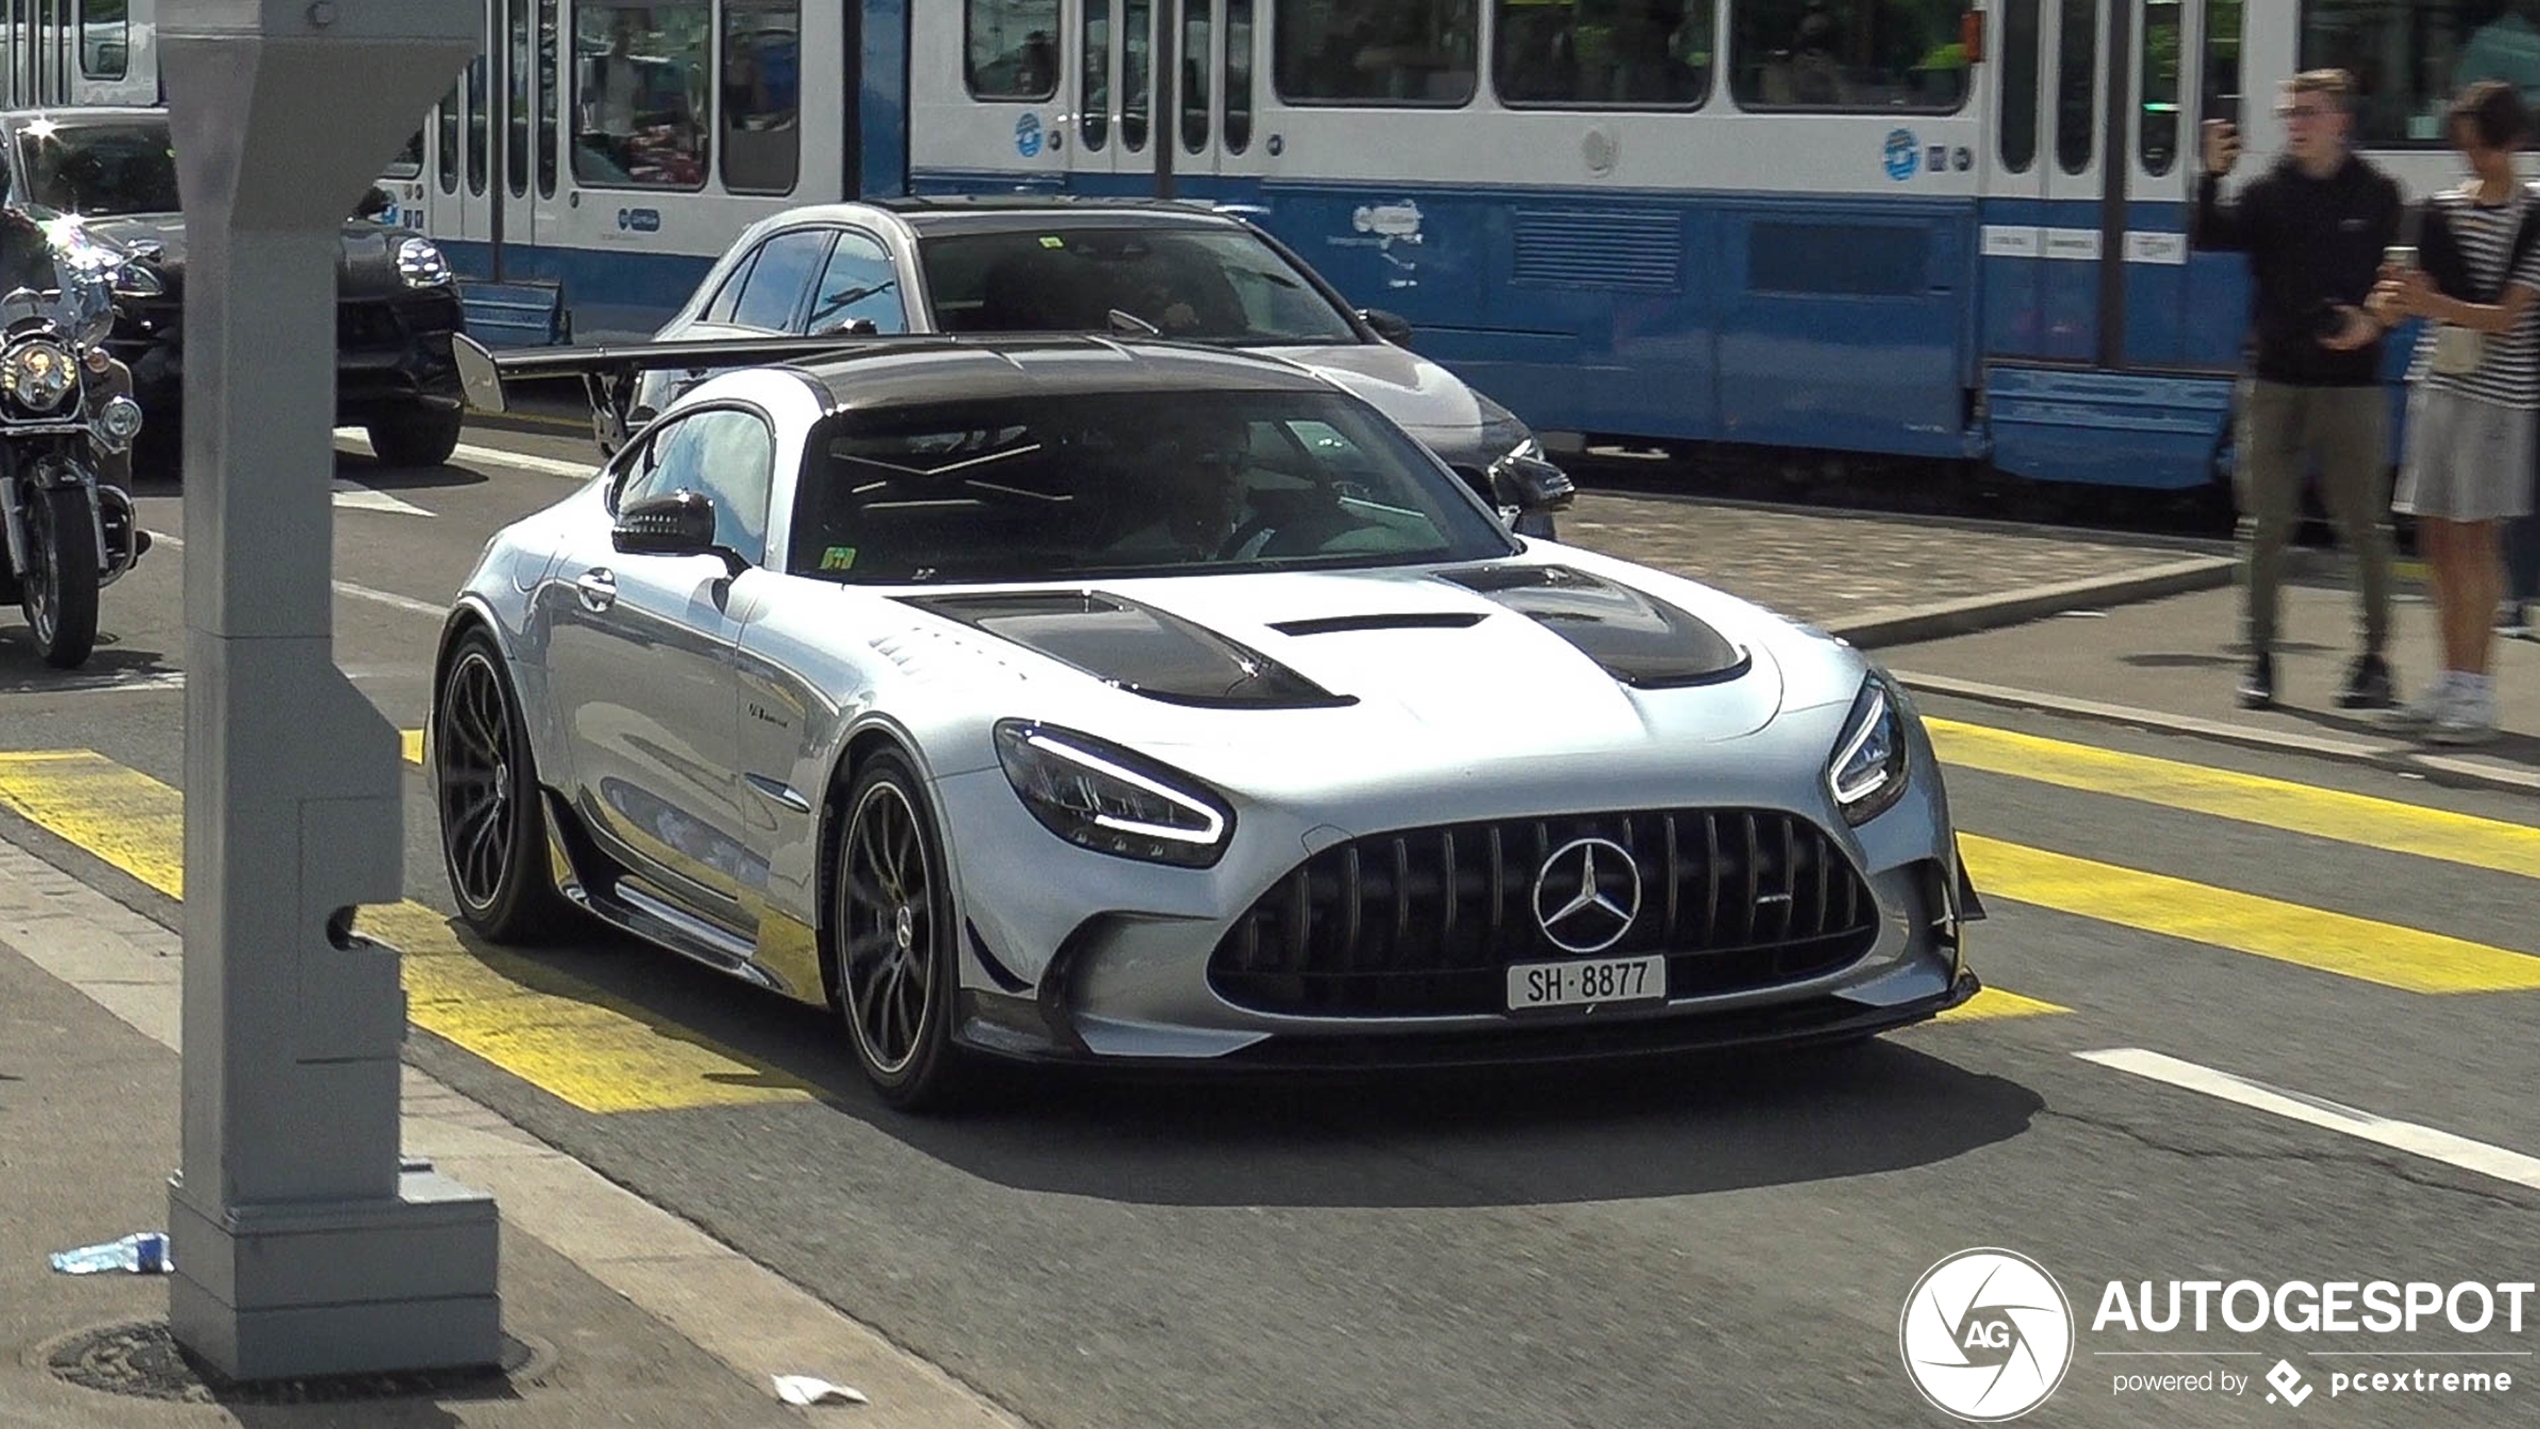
pixel 144 1253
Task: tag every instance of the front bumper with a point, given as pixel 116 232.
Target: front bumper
pixel 392 356
pixel 1073 956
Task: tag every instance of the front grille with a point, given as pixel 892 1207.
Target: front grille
pixel 1426 922
pixel 367 325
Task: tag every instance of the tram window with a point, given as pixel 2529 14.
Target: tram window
pixel 518 73
pixel 1010 48
pixel 2019 85
pixel 2157 140
pixel 2409 61
pixel 860 283
pixel 449 159
pixel 548 104
pixel 1651 54
pixel 104 38
pixel 1890 56
pixel 1238 75
pixel 640 92
pixel 2077 87
pixel 1193 51
pixel 1095 126
pixel 1137 71
pixel 479 146
pixel 1376 51
pixel 762 96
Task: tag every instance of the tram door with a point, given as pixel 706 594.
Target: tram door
pixel 1144 126
pixel 493 169
pixel 41 54
pixel 2091 167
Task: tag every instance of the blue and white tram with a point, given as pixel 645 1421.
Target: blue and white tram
pixel 1878 226
pixel 1893 227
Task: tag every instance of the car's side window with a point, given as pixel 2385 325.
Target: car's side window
pixel 773 292
pixel 860 283
pixel 720 310
pixel 727 454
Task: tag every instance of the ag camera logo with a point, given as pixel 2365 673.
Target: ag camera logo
pixel 1987 1335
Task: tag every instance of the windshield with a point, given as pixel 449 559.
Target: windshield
pixel 1224 287
pixel 100 168
pixel 1041 487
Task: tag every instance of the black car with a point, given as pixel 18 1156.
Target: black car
pixel 114 169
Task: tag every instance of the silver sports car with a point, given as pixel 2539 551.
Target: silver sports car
pixel 1124 701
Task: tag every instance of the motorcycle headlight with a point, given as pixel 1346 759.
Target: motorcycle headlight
pixel 1867 772
pixel 38 375
pixel 420 260
pixel 1104 798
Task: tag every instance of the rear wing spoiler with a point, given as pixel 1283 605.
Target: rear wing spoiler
pixel 609 370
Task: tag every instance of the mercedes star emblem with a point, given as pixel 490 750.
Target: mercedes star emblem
pixel 1587 894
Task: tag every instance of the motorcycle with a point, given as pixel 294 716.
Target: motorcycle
pixel 69 534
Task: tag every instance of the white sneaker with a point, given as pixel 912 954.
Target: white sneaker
pixel 2470 720
pixel 2429 707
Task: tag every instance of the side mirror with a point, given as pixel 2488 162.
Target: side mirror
pixel 1532 484
pixel 377 204
pixel 679 524
pixel 1392 327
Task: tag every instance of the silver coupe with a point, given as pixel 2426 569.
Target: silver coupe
pixel 1122 701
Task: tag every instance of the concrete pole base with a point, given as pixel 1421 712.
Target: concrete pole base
pixel 304 1289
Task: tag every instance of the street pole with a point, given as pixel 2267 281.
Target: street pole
pixel 304 1244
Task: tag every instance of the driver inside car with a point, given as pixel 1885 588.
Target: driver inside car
pixel 1184 491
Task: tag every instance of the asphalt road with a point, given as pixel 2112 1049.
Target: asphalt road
pixel 1726 1242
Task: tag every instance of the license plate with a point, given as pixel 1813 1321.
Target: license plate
pixel 1592 980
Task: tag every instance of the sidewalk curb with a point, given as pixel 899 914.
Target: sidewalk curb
pixel 1910 625
pixel 2396 758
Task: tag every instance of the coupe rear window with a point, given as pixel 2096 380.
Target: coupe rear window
pixel 1225 287
pixel 1060 487
pixel 100 168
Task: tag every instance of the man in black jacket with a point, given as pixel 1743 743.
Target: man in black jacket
pixel 2315 227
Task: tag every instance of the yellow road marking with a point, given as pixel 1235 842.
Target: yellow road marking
pixel 1993 1004
pixel 2383 953
pixel 599 1052
pixel 2386 824
pixel 414 745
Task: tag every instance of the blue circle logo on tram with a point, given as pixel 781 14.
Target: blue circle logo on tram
pixel 1027 136
pixel 1904 156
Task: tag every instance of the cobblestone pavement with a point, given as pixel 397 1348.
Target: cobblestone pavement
pixel 1830 567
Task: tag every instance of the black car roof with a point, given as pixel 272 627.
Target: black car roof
pixel 1014 213
pixel 911 371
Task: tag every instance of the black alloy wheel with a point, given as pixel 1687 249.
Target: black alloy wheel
pixel 895 940
pixel 493 830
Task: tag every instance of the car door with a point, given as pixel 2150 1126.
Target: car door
pixel 640 653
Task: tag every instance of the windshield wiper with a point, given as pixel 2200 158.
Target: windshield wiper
pixel 1134 325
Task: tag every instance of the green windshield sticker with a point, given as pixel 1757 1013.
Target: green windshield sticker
pixel 837 558
pixel 1052 240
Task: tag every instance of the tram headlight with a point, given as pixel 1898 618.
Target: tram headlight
pixel 420 260
pixel 38 375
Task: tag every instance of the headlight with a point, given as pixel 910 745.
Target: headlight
pixel 38 375
pixel 421 261
pixel 1867 772
pixel 120 420
pixel 1101 797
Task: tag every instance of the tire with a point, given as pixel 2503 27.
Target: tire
pixel 485 793
pixel 59 591
pixel 894 931
pixel 418 437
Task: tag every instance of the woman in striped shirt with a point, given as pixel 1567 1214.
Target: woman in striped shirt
pixel 2476 377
